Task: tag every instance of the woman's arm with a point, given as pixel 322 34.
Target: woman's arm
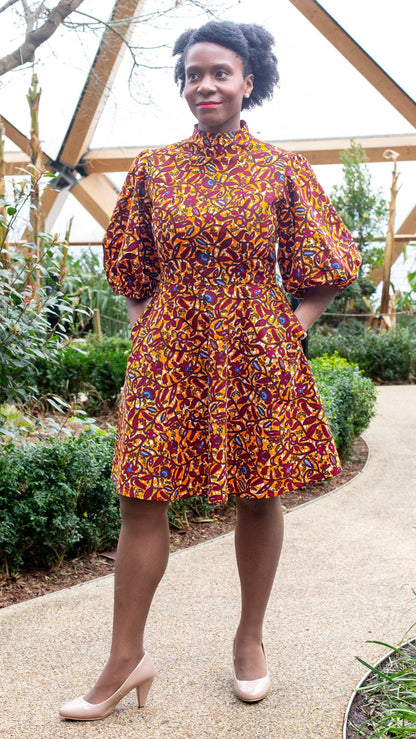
pixel 136 308
pixel 314 304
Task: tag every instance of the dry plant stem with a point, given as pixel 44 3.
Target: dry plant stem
pixel 33 98
pixel 4 251
pixel 142 556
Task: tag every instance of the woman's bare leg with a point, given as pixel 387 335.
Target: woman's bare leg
pixel 258 543
pixel 142 555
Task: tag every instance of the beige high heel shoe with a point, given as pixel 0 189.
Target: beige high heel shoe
pixel 252 690
pixel 141 678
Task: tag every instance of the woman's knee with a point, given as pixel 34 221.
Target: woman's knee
pixel 258 507
pixel 136 509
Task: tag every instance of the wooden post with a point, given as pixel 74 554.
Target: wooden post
pixel 386 304
pixel 97 323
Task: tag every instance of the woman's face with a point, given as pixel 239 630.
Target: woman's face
pixel 215 86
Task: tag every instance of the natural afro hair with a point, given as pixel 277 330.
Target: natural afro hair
pixel 252 43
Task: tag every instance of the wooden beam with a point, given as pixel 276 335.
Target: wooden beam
pixel 327 151
pixel 117 159
pixel 407 228
pixel 99 80
pixel 14 162
pixel 317 151
pixel 98 195
pixel 359 58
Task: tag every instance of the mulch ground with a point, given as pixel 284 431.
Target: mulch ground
pixel 33 583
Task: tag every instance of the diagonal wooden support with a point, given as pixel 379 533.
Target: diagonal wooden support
pixel 359 58
pixel 98 196
pixel 20 140
pixel 98 84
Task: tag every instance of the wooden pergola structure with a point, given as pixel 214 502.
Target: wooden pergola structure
pixel 82 171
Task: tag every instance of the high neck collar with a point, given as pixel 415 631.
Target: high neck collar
pixel 215 141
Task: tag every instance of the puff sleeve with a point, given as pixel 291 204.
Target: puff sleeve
pixel 315 248
pixel 131 259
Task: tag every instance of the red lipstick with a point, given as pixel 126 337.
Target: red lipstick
pixel 208 105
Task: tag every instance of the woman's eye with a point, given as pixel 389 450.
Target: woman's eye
pixel 221 74
pixel 192 76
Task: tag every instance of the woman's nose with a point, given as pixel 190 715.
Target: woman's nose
pixel 206 85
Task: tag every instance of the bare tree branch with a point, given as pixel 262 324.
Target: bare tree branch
pixel 7 5
pixel 35 38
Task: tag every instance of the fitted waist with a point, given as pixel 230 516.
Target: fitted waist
pixel 213 289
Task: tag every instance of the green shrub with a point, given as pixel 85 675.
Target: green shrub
pixel 92 366
pixel 56 498
pixel 348 398
pixel 387 356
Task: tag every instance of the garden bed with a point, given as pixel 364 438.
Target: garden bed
pixel 383 702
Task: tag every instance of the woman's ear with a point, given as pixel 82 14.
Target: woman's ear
pixel 249 82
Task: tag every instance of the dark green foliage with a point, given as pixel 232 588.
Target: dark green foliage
pixel 389 356
pixel 56 498
pixel 348 398
pixel 94 367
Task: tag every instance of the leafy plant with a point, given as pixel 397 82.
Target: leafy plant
pixel 56 498
pixel 406 300
pixel 388 696
pixel 34 313
pixel 387 356
pixel 85 282
pixel 348 398
pixel 91 369
pixel 364 212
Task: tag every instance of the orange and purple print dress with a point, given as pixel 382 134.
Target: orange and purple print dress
pixel 219 398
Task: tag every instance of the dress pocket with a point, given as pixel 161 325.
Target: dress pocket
pixel 296 328
pixel 139 322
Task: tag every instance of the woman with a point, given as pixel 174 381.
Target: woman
pixel 219 399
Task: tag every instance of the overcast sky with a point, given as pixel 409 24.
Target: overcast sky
pixel 320 93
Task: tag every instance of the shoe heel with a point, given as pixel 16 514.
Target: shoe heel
pixel 142 691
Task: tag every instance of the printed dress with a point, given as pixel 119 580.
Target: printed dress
pixel 219 399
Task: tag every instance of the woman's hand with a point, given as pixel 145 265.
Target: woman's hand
pixel 136 308
pixel 314 304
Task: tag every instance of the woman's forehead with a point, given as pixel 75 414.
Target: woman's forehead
pixel 206 52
